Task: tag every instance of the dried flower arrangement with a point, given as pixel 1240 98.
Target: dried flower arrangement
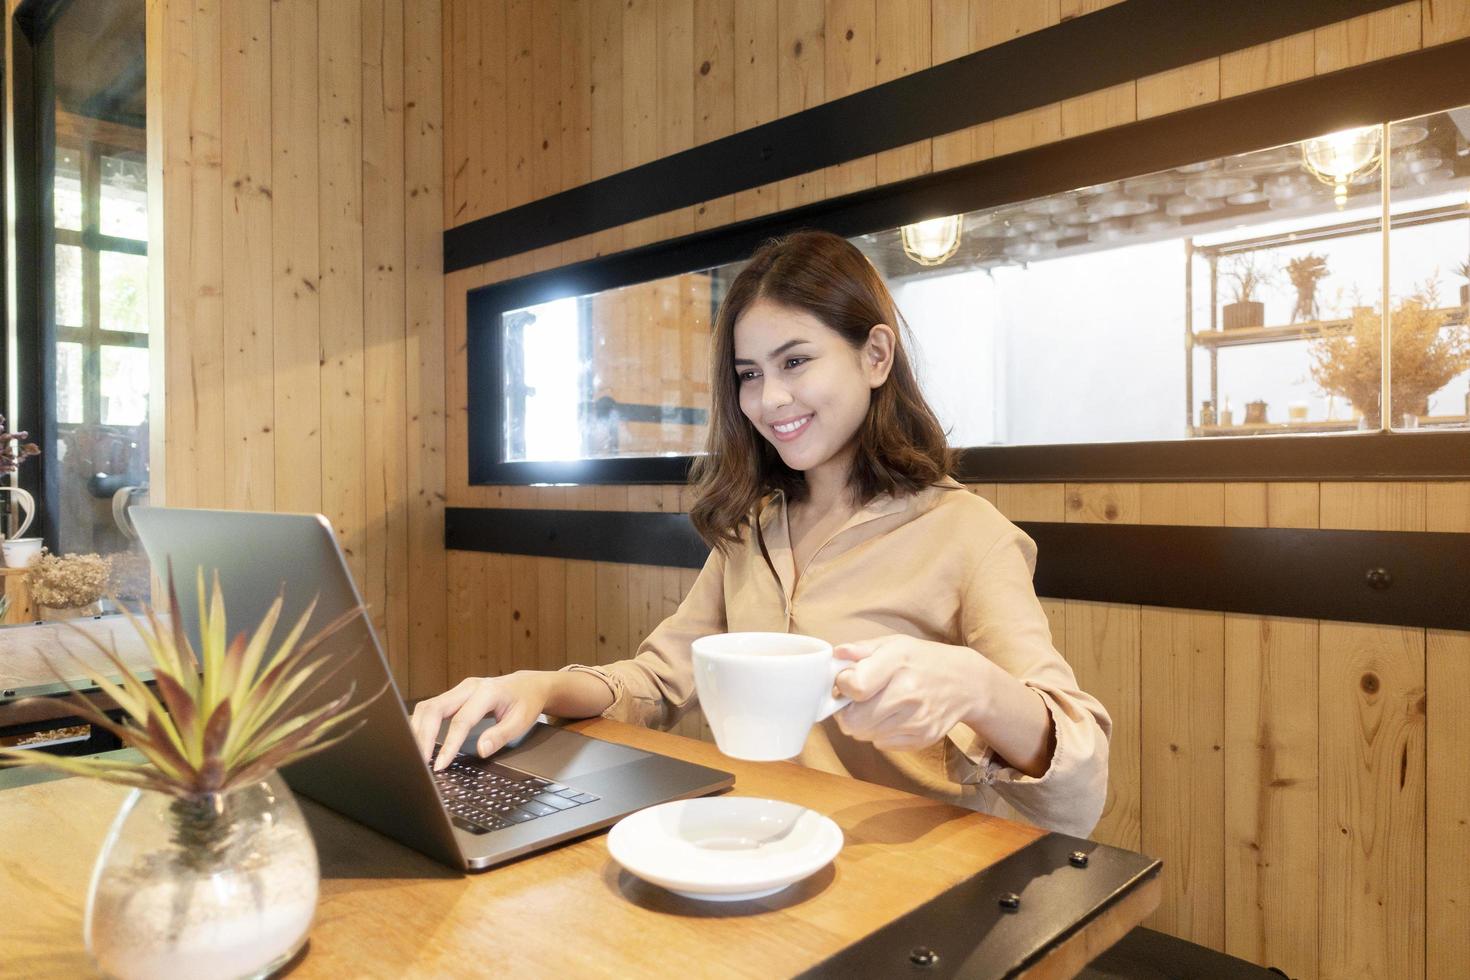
pixel 1463 271
pixel 1247 272
pixel 1305 273
pixel 1427 351
pixel 68 581
pixel 14 449
pixel 219 720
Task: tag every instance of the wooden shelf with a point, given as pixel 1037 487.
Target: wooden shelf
pixel 1321 425
pixel 1245 336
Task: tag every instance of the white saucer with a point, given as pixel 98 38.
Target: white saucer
pixel 724 848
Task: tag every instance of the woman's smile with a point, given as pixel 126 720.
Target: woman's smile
pixel 790 428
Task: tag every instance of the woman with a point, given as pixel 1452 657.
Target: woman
pixel 826 499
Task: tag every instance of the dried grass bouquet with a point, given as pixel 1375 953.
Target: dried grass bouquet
pixel 1427 351
pixel 68 581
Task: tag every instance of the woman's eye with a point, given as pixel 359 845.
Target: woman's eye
pixel 744 376
pixel 794 362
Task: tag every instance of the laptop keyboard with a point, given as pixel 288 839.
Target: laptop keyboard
pixel 481 799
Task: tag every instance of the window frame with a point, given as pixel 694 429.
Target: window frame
pixel 1393 89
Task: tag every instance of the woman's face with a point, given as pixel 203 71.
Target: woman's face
pixel 803 387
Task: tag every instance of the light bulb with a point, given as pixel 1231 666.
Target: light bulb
pixel 932 242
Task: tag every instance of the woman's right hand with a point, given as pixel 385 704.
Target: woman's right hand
pixel 514 699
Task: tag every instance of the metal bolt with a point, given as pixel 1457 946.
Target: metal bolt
pixel 1010 901
pixel 1379 578
pixel 1078 859
pixel 923 956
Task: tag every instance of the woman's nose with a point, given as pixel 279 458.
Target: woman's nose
pixel 774 394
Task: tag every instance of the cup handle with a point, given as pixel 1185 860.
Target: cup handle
pixel 27 506
pixel 829 705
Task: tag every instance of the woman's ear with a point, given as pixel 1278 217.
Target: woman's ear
pixel 878 354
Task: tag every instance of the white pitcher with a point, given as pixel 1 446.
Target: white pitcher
pixel 19 550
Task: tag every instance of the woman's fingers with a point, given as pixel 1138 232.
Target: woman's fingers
pixel 430 713
pixel 476 707
pixel 508 727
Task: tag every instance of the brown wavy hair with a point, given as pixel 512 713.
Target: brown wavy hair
pixel 901 445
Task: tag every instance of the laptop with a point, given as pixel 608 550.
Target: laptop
pixel 550 786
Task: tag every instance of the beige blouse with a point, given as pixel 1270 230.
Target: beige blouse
pixel 942 565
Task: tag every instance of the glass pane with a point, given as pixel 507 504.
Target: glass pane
pixel 68 286
pixel 96 60
pixel 69 383
pixel 124 300
pixel 66 189
pixel 637 387
pixel 124 385
pixel 1429 270
pixel 124 203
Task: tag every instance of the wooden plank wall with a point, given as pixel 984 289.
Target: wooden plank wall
pixel 296 190
pixel 1292 774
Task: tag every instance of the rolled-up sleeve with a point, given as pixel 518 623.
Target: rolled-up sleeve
pixel 1002 619
pixel 656 686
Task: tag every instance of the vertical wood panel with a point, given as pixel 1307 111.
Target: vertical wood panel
pixel 901 44
pixel 1374 506
pixel 487 137
pixel 1102 645
pixel 1109 107
pixel 675 98
pixel 1102 503
pixel 849 68
pixel 1266 65
pixel 950 39
pixel 801 83
pixel 385 539
pixel 1032 501
pixel 340 207
pixel 1272 891
pixel 1447 798
pixel 424 300
pixel 605 94
pixel 1182 503
pixel 1372 809
pixel 296 258
pixel 714 92
pixel 1447 506
pixel 1180 88
pixel 1272 504
pixel 757 94
pixel 1380 34
pixel 520 95
pixel 245 146
pixel 1444 20
pixel 197 428
pixel 1182 776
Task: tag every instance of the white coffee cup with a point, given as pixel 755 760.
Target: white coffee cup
pixel 762 692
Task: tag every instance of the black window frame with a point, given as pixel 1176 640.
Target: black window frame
pixel 1398 88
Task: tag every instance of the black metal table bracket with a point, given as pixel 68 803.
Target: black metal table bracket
pixel 1003 919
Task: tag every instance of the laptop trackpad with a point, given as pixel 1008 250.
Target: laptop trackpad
pixel 556 753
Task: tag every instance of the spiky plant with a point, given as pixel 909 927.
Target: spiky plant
pixel 219 720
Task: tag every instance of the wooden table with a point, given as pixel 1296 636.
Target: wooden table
pixel 386 911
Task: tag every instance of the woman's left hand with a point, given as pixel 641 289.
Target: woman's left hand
pixel 908 693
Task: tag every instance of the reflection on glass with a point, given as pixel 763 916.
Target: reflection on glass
pixel 1429 275
pixel 68 285
pixel 638 385
pixel 124 385
pixel 1241 296
pixel 124 197
pixel 66 189
pixel 124 287
pixel 68 382
pixel 94 54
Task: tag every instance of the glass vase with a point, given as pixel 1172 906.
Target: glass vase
pixel 214 886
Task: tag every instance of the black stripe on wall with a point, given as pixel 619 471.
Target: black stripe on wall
pixel 1391 578
pixel 1078 56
